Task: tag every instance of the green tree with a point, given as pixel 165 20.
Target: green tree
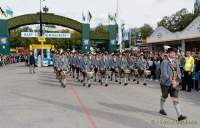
pixel 101 28
pixel 17 41
pixel 178 21
pixel 146 30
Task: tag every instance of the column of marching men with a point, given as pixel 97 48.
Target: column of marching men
pixel 102 68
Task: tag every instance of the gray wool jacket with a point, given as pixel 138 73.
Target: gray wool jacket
pixel 167 73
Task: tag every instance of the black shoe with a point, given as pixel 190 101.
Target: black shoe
pixel 125 84
pixel 106 85
pixel 63 85
pixel 134 80
pixel 99 81
pixel 145 84
pixel 180 118
pixel 188 90
pixel 162 112
pixel 89 85
pixel 81 81
pixel 138 82
pixel 120 82
pixel 129 79
pixel 116 80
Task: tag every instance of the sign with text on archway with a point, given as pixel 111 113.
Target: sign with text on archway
pixel 47 35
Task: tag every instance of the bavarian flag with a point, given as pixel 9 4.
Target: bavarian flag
pixel 3 40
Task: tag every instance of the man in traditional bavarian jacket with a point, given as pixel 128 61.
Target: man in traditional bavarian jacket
pixel 104 66
pixel 86 67
pixel 169 81
pixel 114 67
pixel 77 65
pixel 96 64
pixel 142 66
pixel 64 65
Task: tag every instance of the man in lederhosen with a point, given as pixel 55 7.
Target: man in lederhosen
pixel 86 67
pixel 64 66
pixel 104 66
pixel 132 63
pixel 96 64
pixel 114 66
pixel 77 65
pixel 142 66
pixel 123 67
pixel 169 81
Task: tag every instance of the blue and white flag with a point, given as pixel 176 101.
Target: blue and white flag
pixel 126 36
pixel 83 17
pixel 8 11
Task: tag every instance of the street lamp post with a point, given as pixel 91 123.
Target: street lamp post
pixel 41 33
pixel 119 25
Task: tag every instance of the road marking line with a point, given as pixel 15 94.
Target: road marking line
pixel 84 108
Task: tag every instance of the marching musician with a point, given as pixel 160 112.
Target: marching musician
pixel 104 66
pixel 123 66
pixel 64 66
pixel 142 66
pixel 96 65
pixel 86 67
pixel 114 67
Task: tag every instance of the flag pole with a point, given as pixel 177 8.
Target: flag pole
pixel 119 26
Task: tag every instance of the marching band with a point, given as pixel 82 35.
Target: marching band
pixel 120 68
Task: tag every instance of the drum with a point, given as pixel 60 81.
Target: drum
pixel 135 71
pixel 63 74
pixel 140 72
pixel 126 71
pixel 108 72
pixel 147 73
pixel 89 75
pixel 117 70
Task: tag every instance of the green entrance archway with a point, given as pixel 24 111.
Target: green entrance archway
pixel 48 18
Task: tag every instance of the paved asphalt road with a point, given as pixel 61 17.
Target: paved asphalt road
pixel 38 101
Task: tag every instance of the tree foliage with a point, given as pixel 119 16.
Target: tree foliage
pixel 178 21
pixel 146 30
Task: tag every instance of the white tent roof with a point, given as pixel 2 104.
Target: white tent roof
pixel 162 34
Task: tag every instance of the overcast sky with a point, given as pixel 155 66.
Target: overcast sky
pixel 134 12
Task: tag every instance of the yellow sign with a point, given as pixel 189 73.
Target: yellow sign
pixel 3 40
pixel 42 39
pixel 38 46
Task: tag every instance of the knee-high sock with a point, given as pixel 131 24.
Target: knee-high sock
pixel 177 108
pixel 162 102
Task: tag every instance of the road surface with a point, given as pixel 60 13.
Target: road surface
pixel 38 101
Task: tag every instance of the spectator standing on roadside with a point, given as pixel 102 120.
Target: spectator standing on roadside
pixel 31 63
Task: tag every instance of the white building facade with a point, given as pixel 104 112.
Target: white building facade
pixel 188 39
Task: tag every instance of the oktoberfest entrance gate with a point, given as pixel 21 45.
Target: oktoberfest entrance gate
pixel 48 18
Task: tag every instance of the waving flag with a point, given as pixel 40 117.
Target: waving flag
pixel 9 11
pixel 2 12
pixel 83 17
pixel 89 16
